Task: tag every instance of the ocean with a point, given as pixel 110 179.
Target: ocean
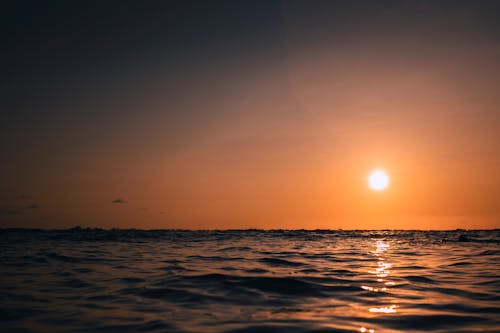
pixel 242 281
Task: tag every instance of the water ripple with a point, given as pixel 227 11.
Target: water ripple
pixel 242 281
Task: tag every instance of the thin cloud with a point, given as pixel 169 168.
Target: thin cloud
pixel 9 212
pixel 32 206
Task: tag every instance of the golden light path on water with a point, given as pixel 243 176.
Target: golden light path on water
pixel 381 274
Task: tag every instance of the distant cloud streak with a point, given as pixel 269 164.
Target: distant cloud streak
pixel 17 208
pixel 9 212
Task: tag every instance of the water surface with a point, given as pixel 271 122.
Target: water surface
pixel 91 280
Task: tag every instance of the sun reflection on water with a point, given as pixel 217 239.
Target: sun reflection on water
pixel 385 309
pixel 381 273
pixel 374 289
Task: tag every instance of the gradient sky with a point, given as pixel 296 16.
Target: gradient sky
pixel 250 114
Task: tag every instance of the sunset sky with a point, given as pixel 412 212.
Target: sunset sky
pixel 250 114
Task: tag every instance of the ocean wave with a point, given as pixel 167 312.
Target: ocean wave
pixel 238 281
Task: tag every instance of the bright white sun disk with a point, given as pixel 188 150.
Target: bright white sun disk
pixel 378 180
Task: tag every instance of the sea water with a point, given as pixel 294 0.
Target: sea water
pixel 93 280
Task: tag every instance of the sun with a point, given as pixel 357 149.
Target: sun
pixel 378 180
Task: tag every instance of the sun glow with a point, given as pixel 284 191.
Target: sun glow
pixel 378 180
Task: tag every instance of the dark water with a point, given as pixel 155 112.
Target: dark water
pixel 249 281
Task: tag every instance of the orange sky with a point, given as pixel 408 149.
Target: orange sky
pixel 281 135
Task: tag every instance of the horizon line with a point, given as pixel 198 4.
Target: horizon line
pixel 232 229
